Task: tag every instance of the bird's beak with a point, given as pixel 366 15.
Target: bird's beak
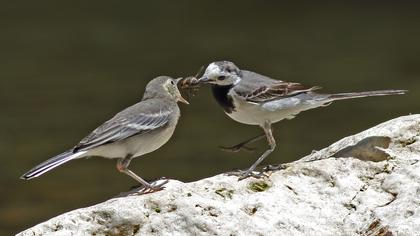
pixel 183 100
pixel 177 80
pixel 178 93
pixel 204 79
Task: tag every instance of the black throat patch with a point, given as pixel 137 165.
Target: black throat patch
pixel 220 93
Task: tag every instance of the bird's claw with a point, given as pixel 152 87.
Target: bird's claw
pixel 237 148
pixel 156 186
pixel 246 174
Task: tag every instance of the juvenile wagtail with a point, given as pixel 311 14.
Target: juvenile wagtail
pixel 133 132
pixel 254 99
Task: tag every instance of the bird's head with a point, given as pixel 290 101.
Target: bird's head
pixel 164 86
pixel 222 73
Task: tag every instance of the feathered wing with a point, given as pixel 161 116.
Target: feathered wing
pixel 259 88
pixel 123 127
pixel 277 90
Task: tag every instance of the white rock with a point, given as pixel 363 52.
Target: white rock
pixel 348 194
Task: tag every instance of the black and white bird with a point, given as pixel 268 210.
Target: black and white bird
pixel 133 132
pixel 254 99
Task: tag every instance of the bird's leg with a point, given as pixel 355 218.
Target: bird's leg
pixel 122 166
pixel 272 143
pixel 242 146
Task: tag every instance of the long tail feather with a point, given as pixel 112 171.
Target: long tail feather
pixel 51 164
pixel 342 96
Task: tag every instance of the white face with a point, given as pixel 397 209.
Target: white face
pixel 221 74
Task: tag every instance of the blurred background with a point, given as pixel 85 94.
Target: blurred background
pixel 68 66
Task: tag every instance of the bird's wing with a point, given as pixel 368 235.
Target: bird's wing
pixel 258 88
pixel 122 127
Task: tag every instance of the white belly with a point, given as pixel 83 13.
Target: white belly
pixel 137 145
pixel 273 111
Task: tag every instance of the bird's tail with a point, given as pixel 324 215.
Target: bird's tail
pixel 51 164
pixel 342 96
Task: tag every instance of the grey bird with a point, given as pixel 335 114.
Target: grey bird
pixel 133 132
pixel 254 99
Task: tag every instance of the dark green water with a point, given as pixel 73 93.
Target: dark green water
pixel 66 67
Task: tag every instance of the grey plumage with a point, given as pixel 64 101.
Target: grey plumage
pixel 135 131
pixel 138 119
pixel 254 99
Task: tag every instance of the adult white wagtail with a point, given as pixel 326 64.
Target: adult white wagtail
pixel 133 132
pixel 254 99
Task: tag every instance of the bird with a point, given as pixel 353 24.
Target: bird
pixel 254 99
pixel 135 131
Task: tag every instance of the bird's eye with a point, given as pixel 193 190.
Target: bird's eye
pixel 172 82
pixel 222 77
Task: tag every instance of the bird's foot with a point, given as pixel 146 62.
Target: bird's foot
pixel 156 186
pixel 237 148
pixel 246 174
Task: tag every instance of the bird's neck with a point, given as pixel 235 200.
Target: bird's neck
pixel 221 94
pixel 237 80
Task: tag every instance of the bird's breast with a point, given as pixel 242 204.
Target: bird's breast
pixel 247 113
pixel 221 94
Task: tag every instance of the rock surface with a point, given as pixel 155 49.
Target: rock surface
pixel 366 184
